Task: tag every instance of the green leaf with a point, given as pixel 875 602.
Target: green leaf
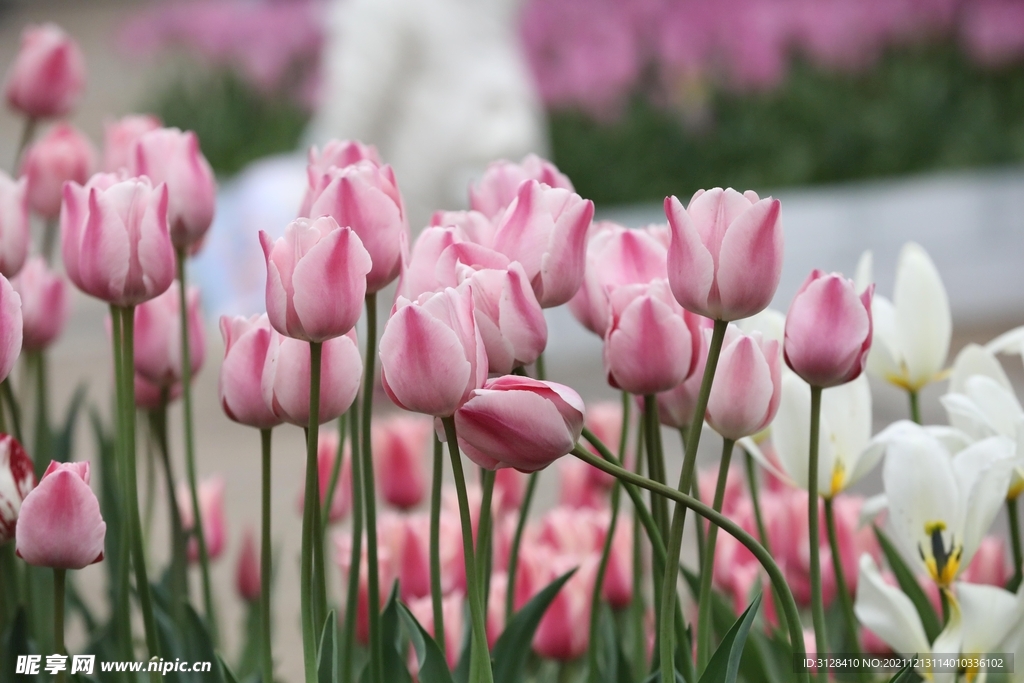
pixel 909 585
pixel 225 671
pixel 905 675
pixel 656 678
pixel 725 662
pixel 395 652
pixel 433 665
pixel 509 652
pixel 327 657
pixel 15 642
pixel 62 440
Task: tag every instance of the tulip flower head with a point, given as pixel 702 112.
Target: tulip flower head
pixel 247 572
pixel 246 343
pixel 119 139
pixel 211 510
pixel 326 457
pixel 14 224
pixel 45 304
pixel 60 524
pixel 337 154
pixel 747 390
pixel 47 76
pixel 500 183
pixel 11 326
pixel 158 337
pixel 63 154
pixel 401 446
pixel 17 479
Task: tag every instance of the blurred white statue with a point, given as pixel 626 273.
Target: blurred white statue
pixel 441 87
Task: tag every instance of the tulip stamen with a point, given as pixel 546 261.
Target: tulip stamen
pixel 943 564
pixel 838 478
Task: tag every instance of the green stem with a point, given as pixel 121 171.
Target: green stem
pixel 484 529
pixel 178 572
pixel 480 660
pixel 666 625
pixel 762 530
pixel 370 492
pixel 517 540
pixel 841 586
pixel 49 239
pixel 58 618
pixel 147 518
pixel 190 453
pixel 655 461
pixel 356 556
pixel 122 608
pixel 1015 544
pixel 704 625
pixel 638 609
pixel 540 367
pixel 435 544
pixel 595 598
pixel 775 574
pixel 332 484
pixel 12 405
pixel 817 604
pixel 28 131
pixel 311 608
pixel 915 407
pixel 266 654
pixel 9 585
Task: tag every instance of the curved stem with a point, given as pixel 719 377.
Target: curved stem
pixel 480 660
pixel 435 544
pixel 266 654
pixel 369 490
pixel 775 574
pixel 707 570
pixel 58 618
pixel 675 538
pixel 915 407
pixel 1015 544
pixel 595 598
pixel 841 586
pixel 311 572
pixel 356 556
pixel 517 540
pixel 814 535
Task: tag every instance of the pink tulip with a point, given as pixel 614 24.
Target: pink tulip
pixel 452 611
pixel 406 540
pixel 989 564
pixel 604 420
pixel 519 422
pixel 617 256
pixel 336 153
pixel 401 446
pixel 119 139
pixel 10 327
pixel 386 577
pixel 149 396
pixel 477 227
pixel 677 405
pixel 618 580
pixel 45 305
pixel 509 489
pixel 431 353
pixel 365 197
pixel 423 273
pixel 855 538
pixel 316 279
pixel 62 154
pixel 285 382
pixel 326 457
pixel 748 386
pixel 651 343
pixel 114 239
pixel 572 532
pixel 60 524
pixel 167 155
pixel 495 608
pixel 158 336
pixel 47 76
pixel 17 479
pixel 828 330
pixel 247 572
pixel 211 511
pixel 560 634
pixel 545 229
pixel 576 488
pixel 14 224
pixel 500 183
pixel 725 258
pixel 246 343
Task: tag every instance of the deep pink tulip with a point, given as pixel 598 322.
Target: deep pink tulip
pixel 326 457
pixel 500 183
pixel 316 279
pixel 247 572
pixel 828 330
pixel 545 229
pixel 211 511
pixel 158 336
pixel 336 153
pixel 495 608
pixel 617 256
pixel 386 576
pixel 431 353
pixel 47 76
pixel 422 274
pixel 246 343
pixel 401 446
pixel 406 539
pixel 10 327
pixel 365 197
pixel 60 524
pixel 17 478
pixel 989 564
pixel 168 155
pixel 748 386
pixel 45 304
pixel 725 259
pixel 453 607
pixel 14 224
pixel 119 139
pixel 651 343
pixel 114 239
pixel 560 635
pixel 149 396
pixel 63 154
pixel 477 227
pixel 519 422
pixel 286 377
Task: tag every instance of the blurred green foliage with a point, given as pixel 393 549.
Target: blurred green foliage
pixel 918 109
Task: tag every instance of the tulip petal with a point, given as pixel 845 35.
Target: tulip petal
pixel 750 263
pixel 741 398
pixel 648 349
pixel 924 321
pixel 888 612
pixel 330 284
pixel 972 360
pixel 983 471
pixel 691 268
pixel 989 613
pixel 885 358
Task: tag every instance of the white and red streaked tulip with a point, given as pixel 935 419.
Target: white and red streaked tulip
pixel 17 479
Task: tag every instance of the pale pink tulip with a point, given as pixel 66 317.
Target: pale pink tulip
pixel 247 572
pixel 495 608
pixel 158 336
pixel 285 382
pixel 316 279
pixel 509 489
pixel 17 479
pixel 211 511
pixel 45 304
pixel 119 139
pixel 14 224
pixel 63 154
pixel 545 229
pixel 60 524
pixel 421 274
pixel 576 488
pixel 519 422
pixel 431 353
pixel 326 457
pixel 725 259
pixel 10 327
pixel 572 532
pixel 500 183
pixel 477 227
pixel 618 580
pixel 453 607
pixel 246 343
pixel 748 386
pixel 828 330
pixel 114 239
pixel 149 396
pixel 560 634
pixel 604 420
pixel 47 76
pixel 336 153
pixel 168 155
pixel 677 406
pixel 989 564
pixel 401 448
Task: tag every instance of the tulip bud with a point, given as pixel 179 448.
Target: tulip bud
pixel 17 478
pixel 477 227
pixel 10 327
pixel 748 386
pixel 401 444
pixel 618 581
pixel 14 224
pixel 285 382
pixel 676 407
pixel 47 76
pixel 431 353
pixel 500 183
pixel 246 343
pixel 247 574
pixel 316 279
pixel 62 154
pixel 211 511
pixel 44 303
pixel 119 139
pixel 150 396
pixel 519 422
pixel 158 337
pixel 545 229
pixel 421 274
pixel 559 634
pixel 114 239
pixel 336 153
pixel 60 524
pixel 828 330
pixel 725 258
pixel 167 155
pixel 326 457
